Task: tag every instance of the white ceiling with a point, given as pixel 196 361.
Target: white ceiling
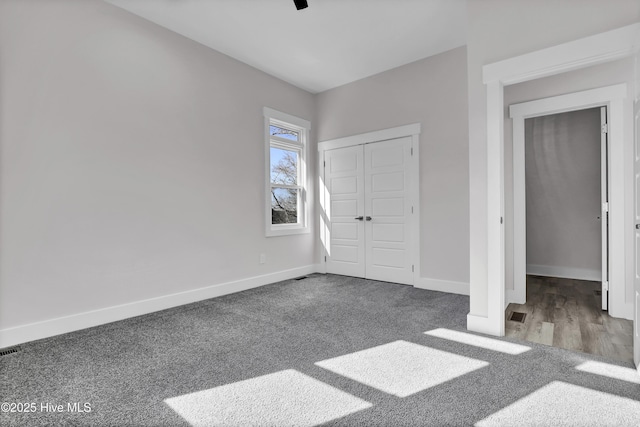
pixel 331 43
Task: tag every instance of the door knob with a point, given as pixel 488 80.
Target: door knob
pixel 637 226
pixel 359 218
pixel 369 218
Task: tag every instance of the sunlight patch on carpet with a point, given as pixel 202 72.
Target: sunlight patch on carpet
pixel 401 368
pixel 611 371
pixel 563 404
pixel 284 398
pixel 478 341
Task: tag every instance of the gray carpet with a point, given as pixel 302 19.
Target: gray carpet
pixel 323 350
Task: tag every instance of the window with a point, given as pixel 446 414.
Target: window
pixel 286 195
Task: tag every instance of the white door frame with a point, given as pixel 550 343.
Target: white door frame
pixel 605 187
pixel 585 52
pixel 613 98
pixel 412 131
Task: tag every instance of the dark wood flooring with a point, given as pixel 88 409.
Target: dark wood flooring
pixel 567 313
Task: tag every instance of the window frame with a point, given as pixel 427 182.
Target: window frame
pixel 276 118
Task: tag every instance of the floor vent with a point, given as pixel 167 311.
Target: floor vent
pixel 598 292
pixel 301 277
pixel 518 317
pixel 8 351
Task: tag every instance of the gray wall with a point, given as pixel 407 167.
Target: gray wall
pixel 501 29
pixel 132 162
pixel 562 163
pixel 431 92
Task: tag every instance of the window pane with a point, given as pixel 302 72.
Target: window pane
pixel 284 166
pixel 283 133
pixel 284 206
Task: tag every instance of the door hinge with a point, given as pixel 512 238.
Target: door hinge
pixel 324 163
pixel 411 209
pixel 325 258
pixel 413 269
pixel 501 220
pixel 605 207
pixel 412 151
pixel 605 128
pixel 605 286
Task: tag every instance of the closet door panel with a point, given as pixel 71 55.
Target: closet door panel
pixel 387 211
pixel 344 178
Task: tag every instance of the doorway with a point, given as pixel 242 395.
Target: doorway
pixel 487 315
pixel 566 164
pixel 614 267
pixel 566 194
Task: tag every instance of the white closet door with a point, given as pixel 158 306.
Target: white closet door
pixel 344 179
pixel 388 211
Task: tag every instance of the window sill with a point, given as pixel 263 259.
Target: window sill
pixel 286 231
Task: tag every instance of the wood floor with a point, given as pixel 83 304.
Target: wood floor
pixel 567 313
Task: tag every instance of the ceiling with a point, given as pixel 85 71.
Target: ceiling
pixel 331 43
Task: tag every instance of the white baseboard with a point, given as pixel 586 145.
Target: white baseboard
pixel 74 322
pixel 515 296
pixel 624 312
pixel 564 272
pixel 320 268
pixel 480 324
pixel 442 285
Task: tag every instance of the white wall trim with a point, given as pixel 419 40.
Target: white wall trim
pixel 515 296
pixel 284 117
pixel 569 102
pixel 448 286
pixel 565 272
pixel 74 322
pixel 585 52
pixel 495 207
pixel 483 325
pixel 321 267
pixel 415 197
pixel 375 136
pixel 613 97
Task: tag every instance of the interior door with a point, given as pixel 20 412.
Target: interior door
pixel 344 179
pixel 388 210
pixel 604 199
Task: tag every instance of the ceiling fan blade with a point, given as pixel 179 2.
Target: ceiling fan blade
pixel 300 4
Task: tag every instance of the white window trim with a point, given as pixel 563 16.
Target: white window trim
pixel 272 116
